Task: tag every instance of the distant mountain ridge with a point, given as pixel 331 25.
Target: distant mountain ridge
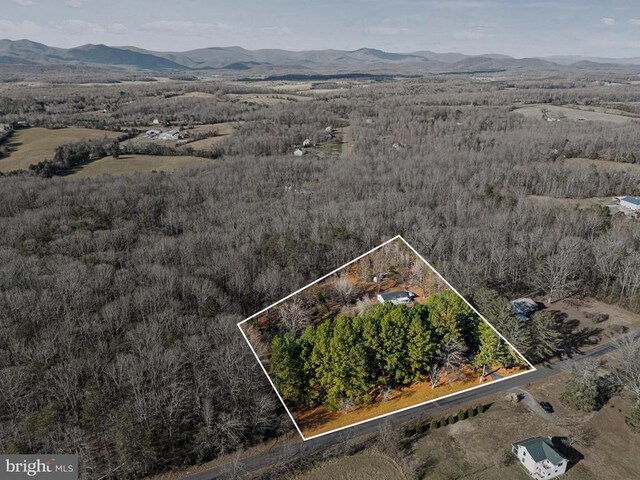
pixel 27 52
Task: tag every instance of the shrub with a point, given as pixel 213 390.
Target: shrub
pixel 597 317
pixel 633 419
pixel 584 390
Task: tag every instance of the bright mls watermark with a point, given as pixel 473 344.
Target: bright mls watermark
pixel 53 467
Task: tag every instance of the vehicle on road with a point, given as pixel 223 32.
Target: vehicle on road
pixel 546 406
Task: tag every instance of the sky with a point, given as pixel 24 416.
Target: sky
pixel 520 28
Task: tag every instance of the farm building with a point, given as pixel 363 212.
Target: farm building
pixel 522 308
pixel 173 134
pixel 152 133
pixel 540 458
pixel 298 153
pixel 631 203
pixel 306 143
pixel 397 298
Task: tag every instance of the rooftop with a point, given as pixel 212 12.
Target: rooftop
pixel 396 295
pixel 540 449
pixel 634 200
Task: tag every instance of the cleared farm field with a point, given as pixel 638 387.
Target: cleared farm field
pixel 222 131
pixel 567 113
pixel 267 99
pixel 199 95
pixel 138 163
pixel 33 145
pixel 357 467
pixel 206 143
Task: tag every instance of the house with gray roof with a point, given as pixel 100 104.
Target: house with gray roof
pixel 397 298
pixel 540 458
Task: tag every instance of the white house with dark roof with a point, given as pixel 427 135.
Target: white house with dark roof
pixel 397 298
pixel 540 458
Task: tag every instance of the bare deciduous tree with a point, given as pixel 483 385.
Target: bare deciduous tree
pixel 628 369
pixel 293 316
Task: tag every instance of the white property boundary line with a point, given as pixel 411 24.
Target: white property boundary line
pixel 397 237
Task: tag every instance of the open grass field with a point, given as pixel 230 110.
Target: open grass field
pixel 33 145
pixel 612 109
pixel 567 113
pixel 138 163
pixel 199 95
pixel 267 99
pixel 222 131
pixel 479 448
pixel 365 466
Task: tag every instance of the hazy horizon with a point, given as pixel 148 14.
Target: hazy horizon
pixel 518 28
pixel 321 49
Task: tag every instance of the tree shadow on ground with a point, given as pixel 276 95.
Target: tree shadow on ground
pixel 608 387
pixel 572 336
pixel 425 468
pixel 564 447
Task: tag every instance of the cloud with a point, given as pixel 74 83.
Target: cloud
pixel 22 29
pixel 117 28
pixel 24 3
pixel 74 3
pixel 635 22
pixel 79 27
pixel 608 21
pixel 277 30
pixel 384 30
pixel 184 27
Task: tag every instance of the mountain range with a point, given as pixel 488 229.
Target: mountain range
pixel 26 52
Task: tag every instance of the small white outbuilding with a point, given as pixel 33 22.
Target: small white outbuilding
pixel 298 153
pixel 631 203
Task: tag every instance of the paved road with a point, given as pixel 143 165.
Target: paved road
pixel 277 455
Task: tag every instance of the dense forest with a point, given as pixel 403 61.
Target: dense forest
pixel 119 296
pixel 345 361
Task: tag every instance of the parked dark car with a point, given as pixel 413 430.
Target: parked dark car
pixel 546 406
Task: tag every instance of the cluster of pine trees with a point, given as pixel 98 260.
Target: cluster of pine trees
pixel 350 360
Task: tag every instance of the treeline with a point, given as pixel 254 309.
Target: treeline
pixel 72 155
pixel 537 339
pixel 352 360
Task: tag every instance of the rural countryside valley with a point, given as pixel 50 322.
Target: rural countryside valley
pixel 279 240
